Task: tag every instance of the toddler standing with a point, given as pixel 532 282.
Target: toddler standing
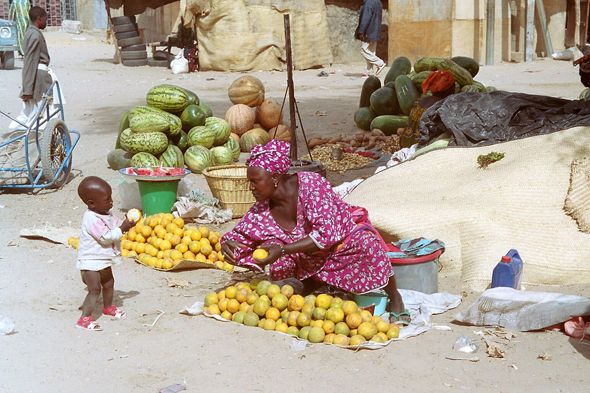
pixel 99 249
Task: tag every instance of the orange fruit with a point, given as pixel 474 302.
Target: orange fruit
pixel 354 320
pixel 233 306
pixel 186 240
pixel 341 339
pixel 356 339
pixel 242 295
pixel 287 290
pixel 167 263
pixel 349 307
pixel 319 313
pixel 281 327
pixel 214 309
pixel 342 328
pixel 269 324
pixel 176 262
pixel 329 338
pixel 296 303
pixel 166 254
pixel 377 338
pixel 252 297
pixel 226 315
pixel 195 247
pixel 272 290
pixel 179 222
pixel 292 318
pixel 244 307
pixel 153 251
pixel 221 294
pixel 201 258
pixel 367 330
pixel 376 318
pixel 206 249
pixel 335 315
pixel 165 221
pixel 151 262
pixel 393 331
pixel 175 240
pixel 131 254
pixel 165 245
pixel 220 255
pixel 323 301
pixel 168 236
pixel 189 255
pixel 214 237
pixel 316 335
pixel 260 254
pixel 273 313
pixel 279 301
pixel 223 303
pixel 366 316
pixel 179 232
pixel 213 257
pixel 204 231
pixel 308 308
pixel 231 292
pixel 160 232
pixel 319 323
pixel 293 331
pixel 219 264
pixel 195 235
pixel 139 238
pixel 303 319
pixel 182 248
pixel 175 254
pixel 336 302
pixel 140 248
pixel 124 253
pixel 160 254
pixel 328 326
pixel 211 298
pixel 146 231
pixel 151 221
pixel 217 246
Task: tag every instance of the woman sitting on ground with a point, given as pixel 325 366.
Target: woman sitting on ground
pixel 309 232
pixel 442 84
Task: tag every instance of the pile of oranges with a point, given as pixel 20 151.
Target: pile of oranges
pixel 320 318
pixel 162 241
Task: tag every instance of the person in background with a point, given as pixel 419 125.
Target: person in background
pixel 309 232
pixel 369 32
pixel 36 75
pixel 442 84
pixel 19 12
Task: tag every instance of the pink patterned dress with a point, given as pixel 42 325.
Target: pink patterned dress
pixel 352 255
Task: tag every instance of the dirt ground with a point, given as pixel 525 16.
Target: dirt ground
pixel 40 289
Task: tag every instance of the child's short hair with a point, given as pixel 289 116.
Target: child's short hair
pixel 89 186
pixel 36 12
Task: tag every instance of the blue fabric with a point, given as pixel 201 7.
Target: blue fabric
pixel 371 13
pixel 412 248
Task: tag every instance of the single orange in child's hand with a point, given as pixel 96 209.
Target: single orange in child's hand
pixel 260 254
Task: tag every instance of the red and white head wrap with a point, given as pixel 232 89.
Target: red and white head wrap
pixel 272 157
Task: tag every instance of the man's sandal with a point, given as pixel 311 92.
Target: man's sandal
pixel 395 318
pixel 114 312
pixel 87 323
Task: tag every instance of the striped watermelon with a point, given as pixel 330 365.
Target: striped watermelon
pixel 149 122
pixel 234 146
pixel 169 98
pixel 256 136
pixel 175 122
pixel 221 129
pixel 221 155
pixel 172 157
pixel 197 158
pixel 201 135
pixel 144 160
pixel 150 142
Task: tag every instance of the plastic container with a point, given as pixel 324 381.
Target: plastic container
pixel 508 272
pixel 418 273
pixel 378 298
pixel 157 196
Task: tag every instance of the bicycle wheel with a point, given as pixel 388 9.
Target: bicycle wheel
pixel 55 144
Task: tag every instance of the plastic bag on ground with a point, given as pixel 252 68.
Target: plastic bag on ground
pixel 180 64
pixel 523 310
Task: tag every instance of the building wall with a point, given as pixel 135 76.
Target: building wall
pixel 52 7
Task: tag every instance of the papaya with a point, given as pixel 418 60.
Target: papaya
pixel 400 66
pixel 406 93
pixel 468 63
pixel 389 124
pixel 363 118
pixel 384 101
pixel 371 84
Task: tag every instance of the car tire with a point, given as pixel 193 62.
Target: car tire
pixel 135 63
pixel 127 34
pixel 8 60
pixel 163 55
pixel 121 20
pixel 158 63
pixel 133 48
pixel 124 28
pixel 135 55
pixel 130 41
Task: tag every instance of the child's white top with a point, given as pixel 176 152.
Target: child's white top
pixel 100 245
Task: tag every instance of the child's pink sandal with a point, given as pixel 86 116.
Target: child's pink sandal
pixel 114 312
pixel 87 323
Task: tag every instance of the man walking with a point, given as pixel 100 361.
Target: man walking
pixel 369 31
pixel 36 75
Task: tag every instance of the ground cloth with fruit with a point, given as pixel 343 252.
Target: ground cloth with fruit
pixel 351 259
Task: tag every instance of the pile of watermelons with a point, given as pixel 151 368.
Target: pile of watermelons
pixel 174 129
pixel 387 107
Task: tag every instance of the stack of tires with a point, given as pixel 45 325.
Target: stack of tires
pixel 133 50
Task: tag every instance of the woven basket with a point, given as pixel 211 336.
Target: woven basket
pixel 229 184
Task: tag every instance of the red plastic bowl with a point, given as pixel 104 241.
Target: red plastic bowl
pixel 409 261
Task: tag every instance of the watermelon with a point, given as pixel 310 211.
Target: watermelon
pixel 169 98
pixel 158 171
pixel 172 157
pixel 221 155
pixel 197 158
pixel 221 129
pixel 151 142
pixel 145 172
pixel 119 158
pixel 193 98
pixel 176 171
pixel 234 146
pixel 144 160
pixel 208 112
pixel 201 135
pixel 175 125
pixel 192 116
pixel 130 171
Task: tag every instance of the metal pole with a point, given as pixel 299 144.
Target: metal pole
pixel 529 30
pixel 290 87
pixel 490 22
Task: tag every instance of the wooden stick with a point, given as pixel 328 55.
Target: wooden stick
pixel 290 87
pixel 529 30
pixel 490 22
pixel 545 31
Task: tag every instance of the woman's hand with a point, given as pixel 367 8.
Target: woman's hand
pixel 227 250
pixel 275 251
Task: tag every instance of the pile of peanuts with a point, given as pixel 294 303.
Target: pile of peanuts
pixel 374 140
pixel 323 154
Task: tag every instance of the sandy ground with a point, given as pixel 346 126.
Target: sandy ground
pixel 40 288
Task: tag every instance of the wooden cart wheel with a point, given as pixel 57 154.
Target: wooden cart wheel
pixel 55 144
